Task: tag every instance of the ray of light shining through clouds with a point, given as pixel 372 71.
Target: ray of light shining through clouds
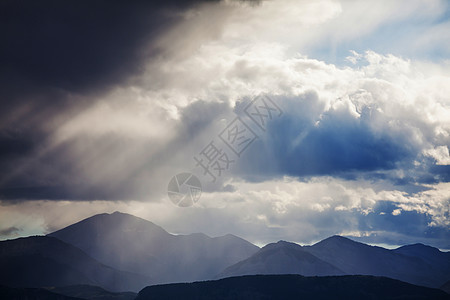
pixel 268 120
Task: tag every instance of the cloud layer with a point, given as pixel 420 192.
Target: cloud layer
pixel 108 102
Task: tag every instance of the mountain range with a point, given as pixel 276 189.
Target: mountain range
pixel 120 252
pixel 82 291
pixel 336 255
pixel 283 287
pixel 128 243
pixel 282 258
pixel 358 258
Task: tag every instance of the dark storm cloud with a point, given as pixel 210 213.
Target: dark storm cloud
pixel 52 49
pixel 78 45
pixel 55 56
pixel 61 55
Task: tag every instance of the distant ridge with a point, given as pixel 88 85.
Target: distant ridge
pixel 427 253
pixel 337 255
pixel 91 293
pixel 293 287
pixel 358 258
pixel 121 252
pixel 282 258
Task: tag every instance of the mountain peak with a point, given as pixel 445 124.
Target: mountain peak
pixel 338 240
pixel 119 213
pixel 282 242
pixel 282 258
pixel 419 246
pixel 132 244
pixel 427 253
pixel 280 245
pixel 107 225
pixel 286 243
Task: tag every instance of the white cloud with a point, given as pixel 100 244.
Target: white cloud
pixel 261 212
pixel 404 98
pixel 250 50
pixel 396 212
pixel 440 153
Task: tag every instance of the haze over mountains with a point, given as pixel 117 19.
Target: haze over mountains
pixel 120 252
pixel 133 244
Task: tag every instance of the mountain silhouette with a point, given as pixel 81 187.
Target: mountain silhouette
pixel 119 252
pixel 337 255
pixel 358 258
pixel 31 294
pixel 136 245
pixel 282 258
pixel 293 287
pixel 40 261
pixel 91 292
pixel 438 259
pixel 446 287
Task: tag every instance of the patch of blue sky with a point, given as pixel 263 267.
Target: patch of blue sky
pixel 425 38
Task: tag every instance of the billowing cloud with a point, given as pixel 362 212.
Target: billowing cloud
pixel 109 111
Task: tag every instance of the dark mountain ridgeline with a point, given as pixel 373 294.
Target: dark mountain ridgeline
pixel 39 261
pixel 91 293
pixel 446 287
pixel 338 255
pixel 8 293
pixel 293 287
pixel 360 259
pixel 440 261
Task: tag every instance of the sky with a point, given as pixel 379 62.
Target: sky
pixel 340 112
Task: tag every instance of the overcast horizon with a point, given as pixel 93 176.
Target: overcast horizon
pixel 345 105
